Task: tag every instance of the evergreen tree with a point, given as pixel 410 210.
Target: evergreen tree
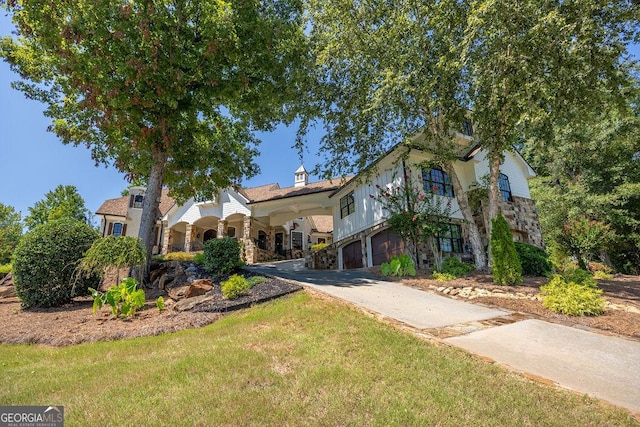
pixel 505 262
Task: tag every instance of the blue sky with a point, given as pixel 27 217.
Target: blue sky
pixel 34 161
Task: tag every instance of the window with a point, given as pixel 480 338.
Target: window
pixel 137 201
pixel 322 240
pixel 347 205
pixel 296 240
pixel 437 181
pixel 450 239
pixel 262 240
pixel 117 229
pixel 231 232
pixel 467 128
pixel 505 188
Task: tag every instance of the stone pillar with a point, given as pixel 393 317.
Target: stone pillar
pixel 167 239
pixel 250 252
pixel 187 238
pixel 271 239
pixel 363 246
pixel 222 228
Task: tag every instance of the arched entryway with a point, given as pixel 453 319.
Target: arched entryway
pixel 209 234
pixel 352 255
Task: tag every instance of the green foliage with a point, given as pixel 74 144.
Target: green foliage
pixel 5 269
pixel 255 280
pixel 602 275
pixel 179 256
pixel 506 267
pixel 124 299
pixel 199 258
pixel 160 303
pixel 534 260
pixel 221 256
pixel 585 239
pixel 112 251
pixel 578 275
pixel 234 287
pixel 62 202
pixel 190 126
pixel 319 246
pixel 45 262
pixel 10 232
pixel 416 215
pixel 443 277
pixel 399 266
pixel 571 298
pixel 454 267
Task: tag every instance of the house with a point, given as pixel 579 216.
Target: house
pixel 274 222
pixel 362 237
pixel 270 221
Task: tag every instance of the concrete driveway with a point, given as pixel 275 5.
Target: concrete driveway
pixel 606 367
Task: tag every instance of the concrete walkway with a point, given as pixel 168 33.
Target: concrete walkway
pixel 602 366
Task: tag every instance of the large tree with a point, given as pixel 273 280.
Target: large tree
pixel 386 72
pixel 62 202
pixel 170 91
pixel 10 232
pixel 537 65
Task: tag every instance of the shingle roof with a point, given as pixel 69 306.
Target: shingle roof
pixel 323 223
pixel 273 191
pixel 119 206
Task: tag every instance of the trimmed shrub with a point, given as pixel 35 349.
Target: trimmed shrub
pixel 454 267
pixel 318 246
pixel 505 263
pixel 45 262
pixel 179 256
pixel 198 258
pixel 443 277
pixel 534 260
pixel 235 286
pixel 571 298
pixel 221 256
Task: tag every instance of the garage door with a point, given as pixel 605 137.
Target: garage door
pixel 352 255
pixel 385 245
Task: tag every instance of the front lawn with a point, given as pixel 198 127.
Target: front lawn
pixel 297 361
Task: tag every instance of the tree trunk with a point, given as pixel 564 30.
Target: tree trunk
pixel 479 256
pixel 151 208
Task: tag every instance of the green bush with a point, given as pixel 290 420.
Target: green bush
pixel 399 266
pixel 534 260
pixel 255 280
pixel 235 286
pixel 443 277
pixel 112 251
pixel 505 263
pixel 124 299
pixel 580 276
pixel 571 298
pixel 5 269
pixel 601 275
pixel 179 256
pixel 198 258
pixel 45 262
pixel 453 266
pixel 221 256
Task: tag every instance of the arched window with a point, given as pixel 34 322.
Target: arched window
pixel 437 181
pixel 231 232
pixel 505 188
pixel 262 240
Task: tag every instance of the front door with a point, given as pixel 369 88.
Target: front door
pixel 280 243
pixel 352 255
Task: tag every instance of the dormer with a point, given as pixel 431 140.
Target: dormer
pixel 136 197
pixel 301 177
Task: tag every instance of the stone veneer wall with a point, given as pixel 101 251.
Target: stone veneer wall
pixel 323 259
pixel 522 216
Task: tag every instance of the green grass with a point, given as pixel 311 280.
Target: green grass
pixel 296 361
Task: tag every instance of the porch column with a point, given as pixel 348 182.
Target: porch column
pixel 222 228
pixel 187 238
pixel 167 239
pixel 271 239
pixel 250 252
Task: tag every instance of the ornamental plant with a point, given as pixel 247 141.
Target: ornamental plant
pixel 124 299
pixel 221 256
pixel 572 298
pixel 112 251
pixel 235 286
pixel 416 215
pixel 506 267
pixel 399 266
